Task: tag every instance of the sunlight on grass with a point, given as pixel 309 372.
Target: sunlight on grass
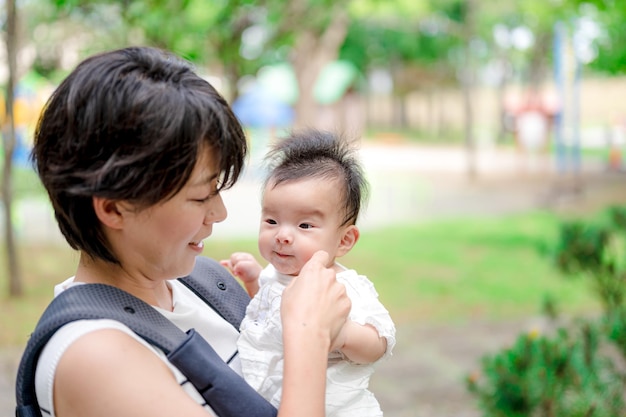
pixel 443 271
pixel 458 270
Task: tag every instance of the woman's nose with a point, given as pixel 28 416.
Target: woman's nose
pixel 217 210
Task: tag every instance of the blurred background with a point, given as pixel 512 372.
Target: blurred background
pixel 483 126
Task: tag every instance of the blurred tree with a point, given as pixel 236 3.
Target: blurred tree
pixel 411 44
pixel 611 17
pixel 239 35
pixel 205 33
pixel 425 47
pixel 468 12
pixel 310 32
pixel 9 140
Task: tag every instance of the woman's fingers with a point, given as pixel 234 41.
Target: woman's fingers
pixel 316 299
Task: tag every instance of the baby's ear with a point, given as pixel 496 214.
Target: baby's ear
pixel 348 239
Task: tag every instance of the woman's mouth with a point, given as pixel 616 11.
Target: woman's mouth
pixel 198 246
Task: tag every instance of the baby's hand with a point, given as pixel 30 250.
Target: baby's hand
pixel 245 267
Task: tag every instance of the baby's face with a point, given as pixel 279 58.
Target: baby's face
pixel 299 218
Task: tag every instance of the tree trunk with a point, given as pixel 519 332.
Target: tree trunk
pixel 430 112
pixel 467 85
pixel 501 91
pixel 399 111
pixel 538 64
pixel 15 279
pixel 311 53
pixel 442 123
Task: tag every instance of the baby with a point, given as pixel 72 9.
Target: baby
pixel 311 201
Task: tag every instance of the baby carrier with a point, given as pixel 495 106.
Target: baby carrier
pixel 225 391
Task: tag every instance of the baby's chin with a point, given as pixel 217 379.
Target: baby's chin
pixel 290 272
pixel 293 272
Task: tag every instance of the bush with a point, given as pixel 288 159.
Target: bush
pixel 569 373
pixel 542 376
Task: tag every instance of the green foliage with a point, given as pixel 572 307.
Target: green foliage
pixel 371 43
pixel 581 246
pixel 611 17
pixel 486 268
pixel 569 374
pixel 25 183
pixel 407 10
pixel 615 325
pixel 598 250
pixel 427 35
pixel 202 32
pixel 543 376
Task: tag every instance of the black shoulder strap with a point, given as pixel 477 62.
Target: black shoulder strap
pixel 217 287
pixel 225 391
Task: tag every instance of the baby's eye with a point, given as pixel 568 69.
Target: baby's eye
pixel 305 226
pixel 270 221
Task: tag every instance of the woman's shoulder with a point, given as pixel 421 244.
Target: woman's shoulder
pixel 92 361
pixel 64 338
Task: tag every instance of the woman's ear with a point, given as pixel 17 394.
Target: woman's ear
pixel 348 239
pixel 108 212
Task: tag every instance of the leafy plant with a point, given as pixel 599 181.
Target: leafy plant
pixel 598 251
pixel 550 376
pixel 568 374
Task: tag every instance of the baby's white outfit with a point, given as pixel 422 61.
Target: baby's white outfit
pixel 261 345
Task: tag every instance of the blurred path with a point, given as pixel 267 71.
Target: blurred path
pixel 425 377
pixel 411 183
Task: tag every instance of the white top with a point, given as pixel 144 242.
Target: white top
pixel 189 311
pixel 261 346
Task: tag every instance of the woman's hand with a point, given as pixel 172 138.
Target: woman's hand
pixel 315 300
pixel 314 309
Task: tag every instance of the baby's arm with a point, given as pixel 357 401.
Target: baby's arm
pixel 360 343
pixel 245 267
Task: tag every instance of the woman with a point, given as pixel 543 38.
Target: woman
pixel 133 149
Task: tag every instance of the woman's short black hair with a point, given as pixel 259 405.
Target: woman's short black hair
pixel 129 125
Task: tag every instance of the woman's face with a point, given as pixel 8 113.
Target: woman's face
pixel 162 241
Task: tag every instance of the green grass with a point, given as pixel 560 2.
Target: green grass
pixel 25 183
pixel 469 269
pixel 443 271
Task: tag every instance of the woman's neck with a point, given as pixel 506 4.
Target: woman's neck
pixel 151 291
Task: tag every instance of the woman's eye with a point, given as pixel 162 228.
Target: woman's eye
pixel 208 197
pixel 204 200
